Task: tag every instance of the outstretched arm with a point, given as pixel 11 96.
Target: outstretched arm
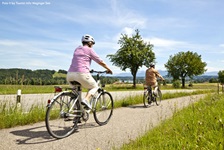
pixel 103 64
pixel 158 75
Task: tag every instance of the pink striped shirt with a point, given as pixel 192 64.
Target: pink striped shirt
pixel 81 60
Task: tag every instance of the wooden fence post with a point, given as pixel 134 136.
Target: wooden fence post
pixel 18 98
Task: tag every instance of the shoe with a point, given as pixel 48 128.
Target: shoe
pixel 88 106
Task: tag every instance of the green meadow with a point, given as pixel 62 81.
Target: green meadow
pixel 199 126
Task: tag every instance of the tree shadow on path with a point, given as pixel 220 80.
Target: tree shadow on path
pixel 35 135
pixel 39 134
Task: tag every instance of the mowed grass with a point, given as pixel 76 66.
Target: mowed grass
pixel 34 89
pixel 199 126
pixel 15 116
pixel 26 89
pixel 11 115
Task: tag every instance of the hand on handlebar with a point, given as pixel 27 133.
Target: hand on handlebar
pixel 109 71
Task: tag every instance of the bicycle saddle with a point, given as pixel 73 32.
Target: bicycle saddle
pixel 75 83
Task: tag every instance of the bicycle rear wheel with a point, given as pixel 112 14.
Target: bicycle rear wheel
pixel 147 99
pixel 58 122
pixel 158 98
pixel 103 108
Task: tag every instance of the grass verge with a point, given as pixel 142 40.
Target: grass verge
pixel 139 99
pixel 34 89
pixel 199 126
pixel 14 116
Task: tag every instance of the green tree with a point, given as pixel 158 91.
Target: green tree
pixel 62 71
pixel 133 54
pixel 185 64
pixel 221 76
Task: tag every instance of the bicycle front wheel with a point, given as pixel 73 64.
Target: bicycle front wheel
pixel 158 98
pixel 58 122
pixel 103 108
pixel 146 99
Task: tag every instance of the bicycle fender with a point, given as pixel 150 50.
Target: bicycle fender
pixel 50 101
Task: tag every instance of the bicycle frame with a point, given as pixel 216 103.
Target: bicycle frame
pixel 78 91
pixel 100 90
pixel 65 110
pixel 150 97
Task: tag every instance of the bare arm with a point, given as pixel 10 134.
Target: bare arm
pixel 106 67
pixel 158 75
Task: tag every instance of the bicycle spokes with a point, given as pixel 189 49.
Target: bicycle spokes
pixel 103 109
pixel 59 121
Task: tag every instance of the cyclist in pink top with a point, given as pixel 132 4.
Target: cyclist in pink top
pixel 80 67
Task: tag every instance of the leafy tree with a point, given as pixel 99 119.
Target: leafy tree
pixel 221 76
pixel 185 64
pixel 62 71
pixel 133 54
pixel 213 80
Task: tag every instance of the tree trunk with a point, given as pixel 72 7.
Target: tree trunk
pixel 134 71
pixel 134 81
pixel 183 82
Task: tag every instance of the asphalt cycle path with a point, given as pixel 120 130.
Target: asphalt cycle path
pixel 126 124
pixel 29 100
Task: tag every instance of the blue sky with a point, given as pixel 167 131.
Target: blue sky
pixel 42 34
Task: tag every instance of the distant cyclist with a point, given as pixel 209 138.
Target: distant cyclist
pixel 151 76
pixel 80 67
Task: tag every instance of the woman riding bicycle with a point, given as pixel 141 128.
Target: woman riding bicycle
pixel 80 67
pixel 151 75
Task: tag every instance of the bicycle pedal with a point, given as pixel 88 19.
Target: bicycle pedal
pixel 67 119
pixel 77 120
pixel 75 126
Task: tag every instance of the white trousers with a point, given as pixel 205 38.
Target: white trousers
pixel 155 86
pixel 85 79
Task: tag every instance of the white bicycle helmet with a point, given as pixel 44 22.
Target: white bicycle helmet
pixel 152 64
pixel 88 38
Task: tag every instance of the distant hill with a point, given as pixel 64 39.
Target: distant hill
pixel 19 76
pixel 163 73
pixel 212 73
pixel 140 73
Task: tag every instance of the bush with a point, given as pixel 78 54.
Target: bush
pixel 190 84
pixel 176 84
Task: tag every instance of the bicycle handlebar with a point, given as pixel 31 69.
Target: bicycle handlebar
pixel 93 71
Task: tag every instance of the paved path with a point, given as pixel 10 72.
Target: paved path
pixel 29 100
pixel 126 124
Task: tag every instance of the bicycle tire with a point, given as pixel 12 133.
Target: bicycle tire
pixel 158 99
pixel 58 124
pixel 103 108
pixel 146 99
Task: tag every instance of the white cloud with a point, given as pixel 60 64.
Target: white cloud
pixel 10 43
pixel 221 45
pixel 44 35
pixel 128 31
pixel 159 42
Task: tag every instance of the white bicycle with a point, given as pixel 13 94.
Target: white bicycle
pixel 65 111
